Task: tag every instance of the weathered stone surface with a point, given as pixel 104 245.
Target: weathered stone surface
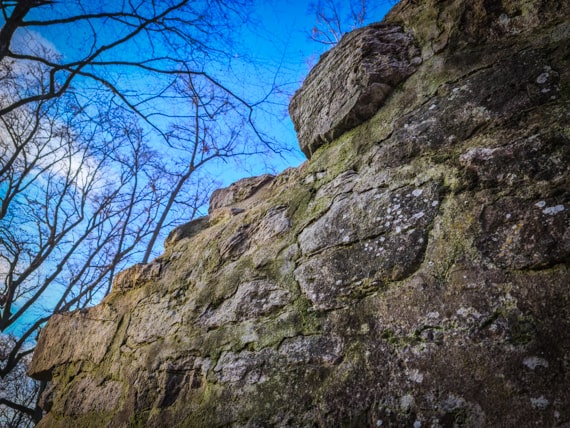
pixel 350 83
pixel 414 272
pixel 375 213
pixel 238 191
pixel 97 325
pixel 522 233
pixel 187 230
pixel 137 276
pixel 251 300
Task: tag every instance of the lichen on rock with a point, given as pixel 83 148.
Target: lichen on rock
pixel 413 272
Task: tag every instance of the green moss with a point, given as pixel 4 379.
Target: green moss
pixel 225 283
pixel 336 157
pixel 272 331
pixel 139 420
pixel 89 420
pixel 311 320
pixel 297 204
pixel 206 408
pixel 522 330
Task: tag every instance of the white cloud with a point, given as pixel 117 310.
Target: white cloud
pixel 27 41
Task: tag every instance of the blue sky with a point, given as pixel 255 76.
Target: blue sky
pixel 274 46
pixel 280 43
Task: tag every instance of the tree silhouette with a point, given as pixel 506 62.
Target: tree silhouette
pixel 104 140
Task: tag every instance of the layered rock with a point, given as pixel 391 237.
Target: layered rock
pixel 414 272
pixel 360 73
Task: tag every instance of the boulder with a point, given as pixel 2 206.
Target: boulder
pixel 351 82
pixel 413 273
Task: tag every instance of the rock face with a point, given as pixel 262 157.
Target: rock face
pixel 414 272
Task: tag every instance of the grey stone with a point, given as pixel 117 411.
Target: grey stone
pixel 238 191
pixel 351 82
pixel 187 230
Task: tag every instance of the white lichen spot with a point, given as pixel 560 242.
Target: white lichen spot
pixel 435 203
pixel 507 216
pixel 553 210
pixel 534 362
pixel 415 376
pixel 346 239
pixel 406 402
pixel 468 312
pixel 540 402
pixel 249 337
pixel 417 192
pixel 419 215
pixel 417 424
pixel 432 107
pixel 540 204
pixel 477 154
pixel 382 239
pixel 504 19
pixel 542 79
pixel 379 423
pixel 398 229
pixel 338 282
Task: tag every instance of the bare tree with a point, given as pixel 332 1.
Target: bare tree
pixel 105 144
pixel 214 131
pixel 18 393
pixel 334 18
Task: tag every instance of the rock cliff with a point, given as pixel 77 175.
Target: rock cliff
pixel 414 272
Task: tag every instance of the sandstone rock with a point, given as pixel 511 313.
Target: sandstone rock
pixel 238 191
pixel 350 83
pixel 187 230
pixel 232 200
pixel 137 275
pixel 519 233
pixel 97 325
pixel 251 300
pixel 412 273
